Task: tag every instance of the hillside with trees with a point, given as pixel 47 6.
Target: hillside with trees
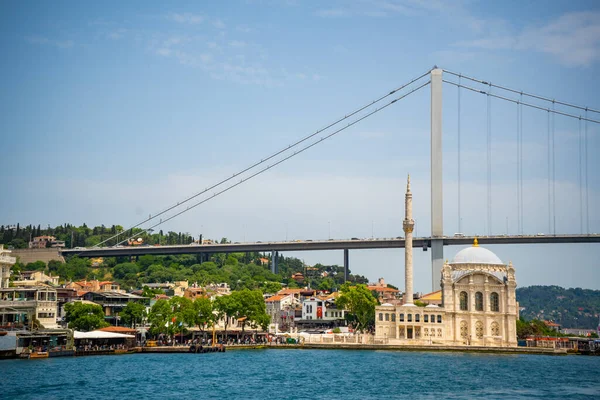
pixel 571 308
pixel 240 270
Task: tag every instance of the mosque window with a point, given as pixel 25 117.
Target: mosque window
pixel 426 318
pixel 387 316
pixel 426 332
pixel 394 317
pixel 479 301
pixel 494 302
pixel 439 332
pixel 495 328
pixel 439 319
pixel 401 317
pixel 381 316
pixel 464 301
pixel 409 317
pixel 479 330
pixel 417 318
pixel 463 329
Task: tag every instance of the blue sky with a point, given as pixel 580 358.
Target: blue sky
pixel 112 112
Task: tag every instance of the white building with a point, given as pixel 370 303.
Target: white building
pixel 19 305
pixel 6 263
pixel 479 304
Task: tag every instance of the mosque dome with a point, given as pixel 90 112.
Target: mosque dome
pixel 476 255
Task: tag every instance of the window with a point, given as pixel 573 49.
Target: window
pixel 426 318
pixel 478 301
pixel 439 319
pixel 387 316
pixel 381 316
pixel 417 318
pixel 464 301
pixel 479 330
pixel 325 313
pixel 494 302
pixel 409 317
pixel 394 317
pixel 495 328
pixel 463 329
pixel 401 317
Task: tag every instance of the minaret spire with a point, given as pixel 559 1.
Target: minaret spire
pixel 408 226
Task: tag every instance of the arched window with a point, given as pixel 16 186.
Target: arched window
pixel 479 329
pixel 426 318
pixel 394 317
pixel 387 316
pixel 463 329
pixel 464 301
pixel 409 317
pixel 381 316
pixel 439 319
pixel 417 318
pixel 401 317
pixel 479 301
pixel 494 302
pixel 495 328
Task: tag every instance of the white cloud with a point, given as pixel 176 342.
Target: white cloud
pixel 573 39
pixel 217 23
pixel 186 18
pixel 61 44
pixel 237 43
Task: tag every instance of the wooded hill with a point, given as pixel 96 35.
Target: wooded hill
pixel 571 308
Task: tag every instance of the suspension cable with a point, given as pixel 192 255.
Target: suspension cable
pixel 522 103
pixel 580 185
pixel 553 177
pixel 268 167
pixel 264 160
pixel 458 129
pixel 489 163
pixel 562 103
pixel 587 196
pixel 518 170
pixel 548 179
pixel 521 164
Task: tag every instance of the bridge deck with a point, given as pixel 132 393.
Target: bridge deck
pixel 308 245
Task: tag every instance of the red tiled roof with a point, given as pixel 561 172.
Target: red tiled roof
pixel 118 329
pixel 277 297
pixel 290 291
pixel 382 289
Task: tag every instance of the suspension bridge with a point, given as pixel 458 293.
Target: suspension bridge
pixel 434 78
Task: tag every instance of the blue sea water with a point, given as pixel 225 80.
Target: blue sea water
pixel 303 374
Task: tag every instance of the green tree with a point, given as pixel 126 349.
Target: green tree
pixel 251 308
pixel 360 304
pixel 84 317
pixel 133 313
pixel 160 316
pixel 205 317
pixel 226 306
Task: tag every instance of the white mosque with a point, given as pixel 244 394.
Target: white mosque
pixel 478 306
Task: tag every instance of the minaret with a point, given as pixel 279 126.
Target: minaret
pixel 408 226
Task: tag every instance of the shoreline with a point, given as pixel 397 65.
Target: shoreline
pixel 372 347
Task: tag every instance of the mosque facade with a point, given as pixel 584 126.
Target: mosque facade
pixel 478 308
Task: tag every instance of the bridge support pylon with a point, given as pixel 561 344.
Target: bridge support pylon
pixel 346 262
pixel 274 255
pixel 437 217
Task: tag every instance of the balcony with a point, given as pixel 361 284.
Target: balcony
pixel 7 260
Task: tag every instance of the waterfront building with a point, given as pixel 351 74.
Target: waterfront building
pixel 6 263
pixel 35 278
pixel 113 302
pixel 281 308
pixel 478 301
pixel 19 306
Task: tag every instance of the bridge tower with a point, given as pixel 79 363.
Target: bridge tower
pixel 437 218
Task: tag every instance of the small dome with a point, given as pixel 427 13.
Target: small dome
pixel 476 255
